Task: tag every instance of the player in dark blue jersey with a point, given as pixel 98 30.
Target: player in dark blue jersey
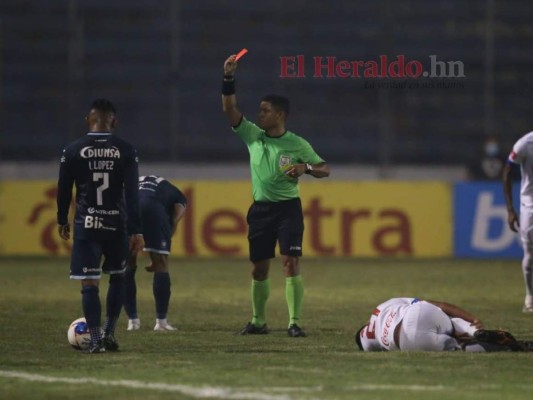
pixel 107 222
pixel 162 206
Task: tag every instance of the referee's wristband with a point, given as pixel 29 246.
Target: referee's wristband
pixel 308 168
pixel 228 85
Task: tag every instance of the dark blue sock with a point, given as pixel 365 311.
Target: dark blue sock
pixel 161 289
pixel 130 293
pixel 92 310
pixel 115 297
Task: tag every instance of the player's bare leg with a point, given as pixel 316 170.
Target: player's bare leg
pixel 294 293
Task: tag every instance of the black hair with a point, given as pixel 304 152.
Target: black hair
pixel 280 103
pixel 104 106
pixel 358 338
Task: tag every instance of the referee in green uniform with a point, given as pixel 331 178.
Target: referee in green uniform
pixel 278 157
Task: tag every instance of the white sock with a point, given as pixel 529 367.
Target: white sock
pixel 162 322
pixel 461 327
pixel 527 270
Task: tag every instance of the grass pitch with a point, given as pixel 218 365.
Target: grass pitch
pixel 210 302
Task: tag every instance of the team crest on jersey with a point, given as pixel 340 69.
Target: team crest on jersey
pixel 284 161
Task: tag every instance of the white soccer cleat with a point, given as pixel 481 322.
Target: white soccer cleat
pixel 162 325
pixel 134 324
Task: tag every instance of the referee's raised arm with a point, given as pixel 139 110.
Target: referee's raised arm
pixel 229 101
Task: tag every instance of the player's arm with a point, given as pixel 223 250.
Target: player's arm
pixel 64 195
pixel 512 216
pixel 131 194
pixel 456 312
pixel 177 215
pixel 180 204
pixel 229 100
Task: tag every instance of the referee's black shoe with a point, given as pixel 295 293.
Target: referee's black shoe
pixel 251 329
pixel 295 331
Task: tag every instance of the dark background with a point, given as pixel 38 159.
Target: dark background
pixel 160 62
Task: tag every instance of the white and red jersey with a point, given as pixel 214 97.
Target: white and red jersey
pixel 523 154
pixel 378 334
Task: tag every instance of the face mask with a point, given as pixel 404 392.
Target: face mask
pixel 491 149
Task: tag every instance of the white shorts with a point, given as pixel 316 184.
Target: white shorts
pixel 426 327
pixel 526 227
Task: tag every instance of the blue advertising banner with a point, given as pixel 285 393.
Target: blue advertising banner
pixel 480 221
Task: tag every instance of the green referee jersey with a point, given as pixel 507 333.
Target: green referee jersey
pixel 270 157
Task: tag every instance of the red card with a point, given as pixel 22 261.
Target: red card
pixel 240 54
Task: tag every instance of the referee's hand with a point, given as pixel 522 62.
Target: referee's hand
pixel 230 65
pixel 296 170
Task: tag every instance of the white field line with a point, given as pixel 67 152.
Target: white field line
pixel 209 392
pixel 409 388
pixel 205 392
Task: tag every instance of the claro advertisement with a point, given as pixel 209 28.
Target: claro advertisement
pixel 342 219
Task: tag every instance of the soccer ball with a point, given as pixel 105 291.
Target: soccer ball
pixel 78 334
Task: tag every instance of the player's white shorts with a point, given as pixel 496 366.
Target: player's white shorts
pixel 426 327
pixel 526 227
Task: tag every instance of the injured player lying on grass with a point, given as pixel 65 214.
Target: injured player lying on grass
pixel 412 324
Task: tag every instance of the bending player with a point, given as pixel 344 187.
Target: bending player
pixel 411 324
pixel 162 206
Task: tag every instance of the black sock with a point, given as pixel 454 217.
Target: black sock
pixel 130 293
pixel 92 310
pixel 161 289
pixel 115 296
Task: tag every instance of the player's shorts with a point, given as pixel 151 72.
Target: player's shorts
pixel 157 228
pixel 425 327
pixel 271 222
pixel 87 255
pixel 526 227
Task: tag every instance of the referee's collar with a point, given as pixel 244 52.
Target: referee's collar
pixel 99 133
pixel 276 137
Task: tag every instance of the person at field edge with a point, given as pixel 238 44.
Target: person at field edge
pixel 278 158
pixel 162 207
pixel 107 223
pixel 489 167
pixel 412 324
pixel 522 154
